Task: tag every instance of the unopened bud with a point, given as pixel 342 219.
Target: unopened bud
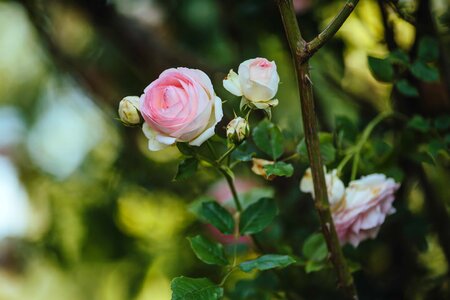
pixel 238 130
pixel 129 110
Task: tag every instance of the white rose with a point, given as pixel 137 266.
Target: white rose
pixel 257 81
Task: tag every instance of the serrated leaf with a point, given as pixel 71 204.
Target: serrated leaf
pixel 279 169
pixel 428 49
pixel 266 262
pixel 424 72
pixel 268 138
pixel 406 88
pixel 185 288
pixel 419 123
pixel 207 251
pixel 218 216
pixel 381 69
pixel 315 247
pixel 186 168
pixel 258 216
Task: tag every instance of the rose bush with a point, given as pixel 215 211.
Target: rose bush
pixel 180 106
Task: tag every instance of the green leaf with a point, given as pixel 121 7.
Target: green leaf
pixel 399 56
pixel 279 169
pixel 314 266
pixel 346 131
pixel 207 251
pixel 420 124
pixel 195 206
pixel 428 49
pixel 406 88
pixel 254 195
pixel 258 216
pixel 218 216
pixel 185 288
pixel 327 149
pixel 244 152
pixel 435 146
pixel 442 122
pixel 423 157
pixel 186 168
pixel 424 72
pixel 315 247
pixel 381 69
pixel 266 262
pixel 268 138
pixel 185 149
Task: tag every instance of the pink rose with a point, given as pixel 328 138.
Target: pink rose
pixel 180 106
pixel 367 203
pixel 257 81
pixel 360 210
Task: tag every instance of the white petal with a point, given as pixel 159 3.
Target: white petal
pixel 203 137
pixel 231 83
pixel 153 143
pixel 168 140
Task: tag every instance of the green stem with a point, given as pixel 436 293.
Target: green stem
pixel 365 136
pixel 300 55
pixel 228 152
pixel 295 155
pixel 230 182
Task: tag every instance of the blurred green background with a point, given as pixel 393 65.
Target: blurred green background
pixel 87 212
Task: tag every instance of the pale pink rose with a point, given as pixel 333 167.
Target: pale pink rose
pixel 180 106
pixel 360 209
pixel 335 186
pixel 257 81
pixel 221 192
pixel 367 203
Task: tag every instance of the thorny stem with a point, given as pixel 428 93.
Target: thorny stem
pixel 301 53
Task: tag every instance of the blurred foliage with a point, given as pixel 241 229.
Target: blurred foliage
pixel 104 220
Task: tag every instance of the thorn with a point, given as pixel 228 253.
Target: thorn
pixel 309 79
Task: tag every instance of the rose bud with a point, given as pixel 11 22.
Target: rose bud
pixel 129 110
pixel 258 168
pixel 257 81
pixel 237 130
pixel 180 106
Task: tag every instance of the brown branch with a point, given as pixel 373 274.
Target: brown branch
pixel 301 56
